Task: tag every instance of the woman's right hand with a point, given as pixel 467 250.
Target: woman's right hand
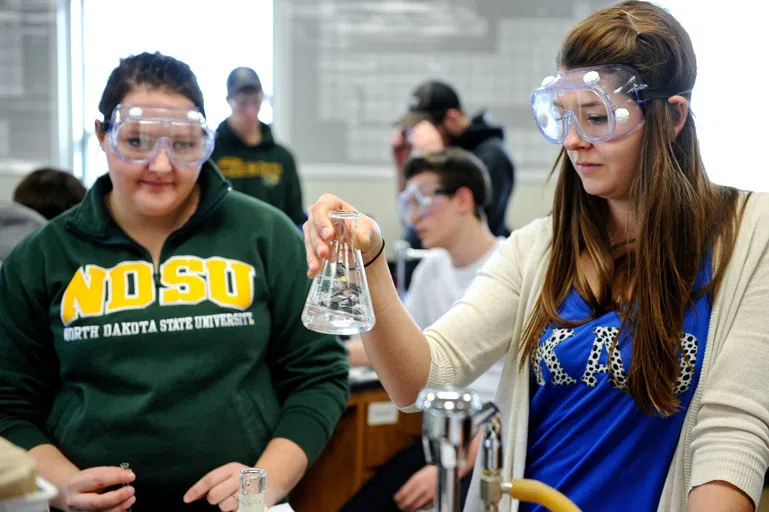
pixel 318 230
pixel 85 490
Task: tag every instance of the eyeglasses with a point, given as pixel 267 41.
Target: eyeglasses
pixel 602 102
pixel 248 100
pixel 137 134
pixel 412 203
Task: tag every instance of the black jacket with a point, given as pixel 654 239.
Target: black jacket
pixel 486 141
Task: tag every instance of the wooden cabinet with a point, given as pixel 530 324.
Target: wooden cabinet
pixel 354 453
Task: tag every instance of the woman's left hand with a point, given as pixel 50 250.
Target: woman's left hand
pixel 220 487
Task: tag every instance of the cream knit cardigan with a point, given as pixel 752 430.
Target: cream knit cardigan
pixel 725 435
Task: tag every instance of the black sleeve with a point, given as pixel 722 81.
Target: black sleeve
pixel 502 175
pixel 294 205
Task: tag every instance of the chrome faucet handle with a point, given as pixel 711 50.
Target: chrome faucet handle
pixel 490 419
pixel 486 414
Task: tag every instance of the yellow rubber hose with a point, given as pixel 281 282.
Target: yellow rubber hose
pixel 534 491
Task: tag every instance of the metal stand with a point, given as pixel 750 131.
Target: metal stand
pixel 404 253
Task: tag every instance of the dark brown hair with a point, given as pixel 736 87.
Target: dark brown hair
pixel 154 70
pixel 49 191
pixel 680 213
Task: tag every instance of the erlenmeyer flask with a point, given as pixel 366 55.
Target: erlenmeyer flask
pixel 339 301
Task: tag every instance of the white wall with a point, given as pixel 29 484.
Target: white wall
pixel 339 84
pixel 8 182
pixel 730 120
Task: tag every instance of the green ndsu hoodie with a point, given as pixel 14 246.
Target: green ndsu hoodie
pixel 176 370
pixel 266 171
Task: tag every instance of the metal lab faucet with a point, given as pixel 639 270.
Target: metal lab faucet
pixel 451 419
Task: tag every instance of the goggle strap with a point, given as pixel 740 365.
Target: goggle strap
pixel 647 94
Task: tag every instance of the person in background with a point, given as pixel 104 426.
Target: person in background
pixel 436 120
pixel 49 191
pixel 444 201
pixel 632 320
pixel 16 222
pixel 158 323
pixel 247 154
pixel 40 196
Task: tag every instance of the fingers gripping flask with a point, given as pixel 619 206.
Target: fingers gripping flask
pixel 339 301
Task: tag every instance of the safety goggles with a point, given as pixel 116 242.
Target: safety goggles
pixel 602 102
pixel 244 100
pixel 413 204
pixel 137 134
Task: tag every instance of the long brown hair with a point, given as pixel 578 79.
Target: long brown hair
pixel 680 213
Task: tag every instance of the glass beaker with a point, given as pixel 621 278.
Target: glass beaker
pixel 253 485
pixel 339 301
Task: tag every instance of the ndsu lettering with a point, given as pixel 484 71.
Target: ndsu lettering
pixel 184 280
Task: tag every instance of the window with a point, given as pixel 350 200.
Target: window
pixel 728 44
pixel 213 41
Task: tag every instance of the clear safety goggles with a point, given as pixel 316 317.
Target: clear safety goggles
pixel 138 133
pixel 413 204
pixel 602 102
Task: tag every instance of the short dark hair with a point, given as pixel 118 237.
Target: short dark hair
pixel 49 191
pixel 430 101
pixel 153 70
pixel 456 168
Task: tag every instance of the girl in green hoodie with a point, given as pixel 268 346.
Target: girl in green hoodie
pixel 158 323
